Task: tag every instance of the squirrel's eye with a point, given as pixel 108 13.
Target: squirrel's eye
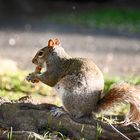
pixel 40 53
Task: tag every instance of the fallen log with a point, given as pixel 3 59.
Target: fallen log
pixel 26 116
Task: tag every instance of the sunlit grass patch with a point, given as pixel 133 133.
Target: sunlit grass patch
pixel 109 81
pixel 14 86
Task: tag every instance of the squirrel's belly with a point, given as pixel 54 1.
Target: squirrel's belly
pixel 78 85
pixel 60 89
pixel 70 85
pixel 77 96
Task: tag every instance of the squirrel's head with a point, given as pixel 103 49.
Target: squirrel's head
pixel 43 54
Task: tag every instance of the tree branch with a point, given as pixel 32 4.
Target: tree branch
pixel 24 115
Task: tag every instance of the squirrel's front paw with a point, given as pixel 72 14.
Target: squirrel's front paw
pixel 32 78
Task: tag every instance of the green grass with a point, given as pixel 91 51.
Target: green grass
pixel 120 19
pixel 13 86
pixel 10 134
pixel 98 131
pixel 109 81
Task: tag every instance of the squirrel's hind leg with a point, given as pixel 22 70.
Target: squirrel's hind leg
pixel 80 118
pixel 86 118
pixel 58 111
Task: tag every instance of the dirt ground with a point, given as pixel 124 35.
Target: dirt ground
pixel 115 54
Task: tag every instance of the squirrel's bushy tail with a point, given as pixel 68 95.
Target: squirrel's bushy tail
pixel 123 92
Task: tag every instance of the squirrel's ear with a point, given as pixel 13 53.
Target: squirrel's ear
pixel 57 42
pixel 51 43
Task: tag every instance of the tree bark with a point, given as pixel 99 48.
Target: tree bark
pixel 25 117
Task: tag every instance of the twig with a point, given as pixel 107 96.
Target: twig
pixel 115 129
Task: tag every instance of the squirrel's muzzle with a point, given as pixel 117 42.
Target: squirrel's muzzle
pixel 34 61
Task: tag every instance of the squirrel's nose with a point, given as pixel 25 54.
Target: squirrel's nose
pixel 34 61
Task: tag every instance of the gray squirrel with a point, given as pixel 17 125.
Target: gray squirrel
pixel 80 83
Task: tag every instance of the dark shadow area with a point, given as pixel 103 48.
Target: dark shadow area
pixel 27 15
